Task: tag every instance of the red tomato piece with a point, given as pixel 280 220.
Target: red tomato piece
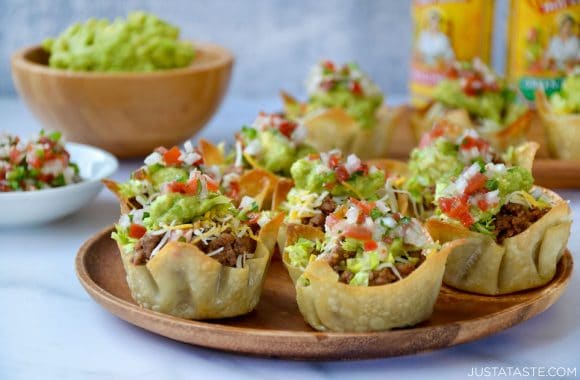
pixel 457 208
pixel 333 161
pixel 286 128
pixel 365 207
pixel 211 184
pixel 358 232
pixel 341 173
pixel 356 88
pixel 328 65
pixel 370 245
pixel 482 204
pixel 475 183
pixel 171 157
pixel 136 231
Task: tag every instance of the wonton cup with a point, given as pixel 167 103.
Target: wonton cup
pixel 293 233
pixel 330 305
pixel 183 281
pixel 563 131
pixel 422 121
pixel 524 261
pixel 333 128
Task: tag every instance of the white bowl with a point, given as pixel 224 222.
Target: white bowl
pixel 41 206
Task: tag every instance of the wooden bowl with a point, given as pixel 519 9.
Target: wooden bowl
pixel 128 114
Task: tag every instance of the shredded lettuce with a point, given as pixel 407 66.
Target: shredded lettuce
pixel 299 253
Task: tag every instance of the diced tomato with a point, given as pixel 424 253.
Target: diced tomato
pixel 2 174
pixel 313 156
pixel 473 84
pixel 358 232
pixel 370 245
pixel 184 188
pixel 363 168
pixel 329 185
pixel 171 157
pixel 475 183
pixel 136 231
pixel 140 174
pixel 452 73
pixel 211 184
pixel 46 178
pixel 328 65
pixel 482 204
pixel 254 217
pixel 341 173
pixel 457 208
pixel 333 161
pixel 356 88
pixel 15 155
pixel 474 142
pixel 286 128
pixel 439 129
pixel 365 207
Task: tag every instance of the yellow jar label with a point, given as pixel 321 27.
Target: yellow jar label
pixel 444 31
pixel 543 43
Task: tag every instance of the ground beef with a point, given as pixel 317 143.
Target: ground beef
pixel 327 207
pixel 514 218
pixel 338 257
pixel 232 248
pixel 144 247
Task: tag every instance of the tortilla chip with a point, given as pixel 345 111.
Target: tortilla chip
pixel 563 131
pixel 329 305
pixel 183 281
pixel 375 142
pixel 512 134
pixel 293 233
pixel 293 109
pixel 212 154
pixel 525 154
pixel 258 184
pixel 524 261
pixel 125 204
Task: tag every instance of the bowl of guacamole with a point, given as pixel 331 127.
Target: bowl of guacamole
pixel 126 85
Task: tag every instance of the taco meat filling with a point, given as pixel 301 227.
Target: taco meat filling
pixel 225 248
pixel 514 218
pixel 338 258
pixel 326 208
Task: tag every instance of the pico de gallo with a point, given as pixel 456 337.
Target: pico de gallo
pixel 488 99
pixel 271 142
pixel 366 243
pixel 39 163
pixel 492 199
pixel 324 180
pixel 442 154
pixel 330 85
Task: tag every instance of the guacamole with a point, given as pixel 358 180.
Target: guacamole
pixel 485 96
pixel 345 87
pixel 568 99
pixel 176 208
pixel 142 42
pixel 315 176
pixel 274 143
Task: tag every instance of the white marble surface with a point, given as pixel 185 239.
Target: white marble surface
pixel 51 329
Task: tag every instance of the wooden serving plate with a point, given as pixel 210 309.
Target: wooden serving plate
pixel 276 328
pixel 548 172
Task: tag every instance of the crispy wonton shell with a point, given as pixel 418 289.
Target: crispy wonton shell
pixel 335 129
pixel 183 281
pixel 524 261
pixel 563 131
pixel 293 233
pixel 330 305
pixel 422 120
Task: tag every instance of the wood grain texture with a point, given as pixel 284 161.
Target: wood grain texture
pixel 276 328
pixel 548 172
pixel 128 114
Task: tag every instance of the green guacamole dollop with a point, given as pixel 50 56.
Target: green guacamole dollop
pixel 499 107
pixel 307 176
pixel 157 176
pixel 142 42
pixel 175 208
pixel 568 99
